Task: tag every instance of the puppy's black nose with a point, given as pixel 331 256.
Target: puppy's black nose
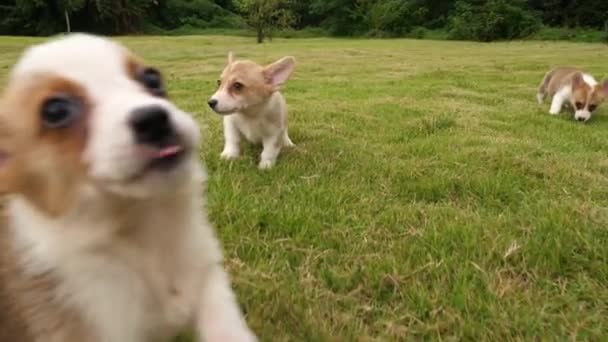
pixel 151 125
pixel 581 119
pixel 212 103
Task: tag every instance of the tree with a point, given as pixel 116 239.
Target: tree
pixel 68 7
pixel 264 16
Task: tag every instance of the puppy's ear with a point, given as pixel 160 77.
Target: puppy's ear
pixel 577 79
pixel 278 73
pixel 604 88
pixel 230 57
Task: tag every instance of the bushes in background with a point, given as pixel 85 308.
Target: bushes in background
pixel 395 18
pixel 482 20
pixel 492 20
pixel 46 17
pixel 172 14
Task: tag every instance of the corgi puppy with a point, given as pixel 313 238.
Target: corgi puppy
pixel 248 96
pixel 105 238
pixel 573 87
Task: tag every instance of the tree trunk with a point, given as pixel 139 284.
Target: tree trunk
pixel 67 21
pixel 260 35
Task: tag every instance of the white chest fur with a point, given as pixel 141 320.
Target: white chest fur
pixel 264 121
pixel 141 283
pixel 253 129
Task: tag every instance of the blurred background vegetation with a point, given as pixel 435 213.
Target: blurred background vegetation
pixel 480 20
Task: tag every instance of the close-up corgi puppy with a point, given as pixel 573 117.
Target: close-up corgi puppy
pixel 105 237
pixel 573 87
pixel 248 96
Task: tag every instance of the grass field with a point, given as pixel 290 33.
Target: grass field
pixel 428 197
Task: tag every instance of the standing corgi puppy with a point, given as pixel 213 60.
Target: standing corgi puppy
pixel 249 97
pixel 106 238
pixel 574 87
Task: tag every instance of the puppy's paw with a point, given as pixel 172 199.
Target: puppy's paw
pixel 287 142
pixel 229 154
pixel 554 112
pixel 266 164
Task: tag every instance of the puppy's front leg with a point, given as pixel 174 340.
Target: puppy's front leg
pixel 558 101
pixel 219 316
pixel 272 148
pixel 232 138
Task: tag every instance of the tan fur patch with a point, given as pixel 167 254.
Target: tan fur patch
pixel 558 78
pixel 133 65
pixel 43 164
pixel 598 96
pixel 586 96
pixel 250 75
pixel 581 93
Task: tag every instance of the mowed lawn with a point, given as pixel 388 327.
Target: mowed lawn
pixel 428 197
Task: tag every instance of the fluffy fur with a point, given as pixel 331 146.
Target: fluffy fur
pixel 101 244
pixel 249 97
pixel 574 87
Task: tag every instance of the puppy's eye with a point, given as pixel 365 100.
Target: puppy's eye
pixel 153 81
pixel 579 105
pixel 592 108
pixel 238 86
pixel 60 111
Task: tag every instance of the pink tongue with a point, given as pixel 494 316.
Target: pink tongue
pixel 168 151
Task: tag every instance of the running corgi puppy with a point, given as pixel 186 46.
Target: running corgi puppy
pixel 571 86
pixel 248 96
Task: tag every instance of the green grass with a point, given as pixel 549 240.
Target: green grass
pixel 428 197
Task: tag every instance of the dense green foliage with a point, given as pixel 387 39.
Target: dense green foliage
pixel 492 20
pixel 483 20
pixel 196 13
